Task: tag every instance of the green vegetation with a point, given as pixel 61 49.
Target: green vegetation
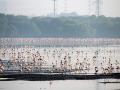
pixel 77 26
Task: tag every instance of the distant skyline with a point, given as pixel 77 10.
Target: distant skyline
pixel 45 7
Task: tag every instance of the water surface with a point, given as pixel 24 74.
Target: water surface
pixel 60 85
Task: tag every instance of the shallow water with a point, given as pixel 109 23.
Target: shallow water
pixel 52 54
pixel 104 57
pixel 59 85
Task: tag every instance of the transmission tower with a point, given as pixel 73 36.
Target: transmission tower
pixel 89 7
pixel 65 6
pixel 98 7
pixel 54 7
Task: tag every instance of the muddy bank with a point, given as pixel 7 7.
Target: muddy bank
pixel 38 76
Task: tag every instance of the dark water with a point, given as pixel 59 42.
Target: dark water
pixel 61 85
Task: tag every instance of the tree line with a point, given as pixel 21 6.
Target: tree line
pixel 71 26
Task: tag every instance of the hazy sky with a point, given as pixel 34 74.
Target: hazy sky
pixel 44 7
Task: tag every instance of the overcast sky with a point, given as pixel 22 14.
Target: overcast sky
pixel 44 7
